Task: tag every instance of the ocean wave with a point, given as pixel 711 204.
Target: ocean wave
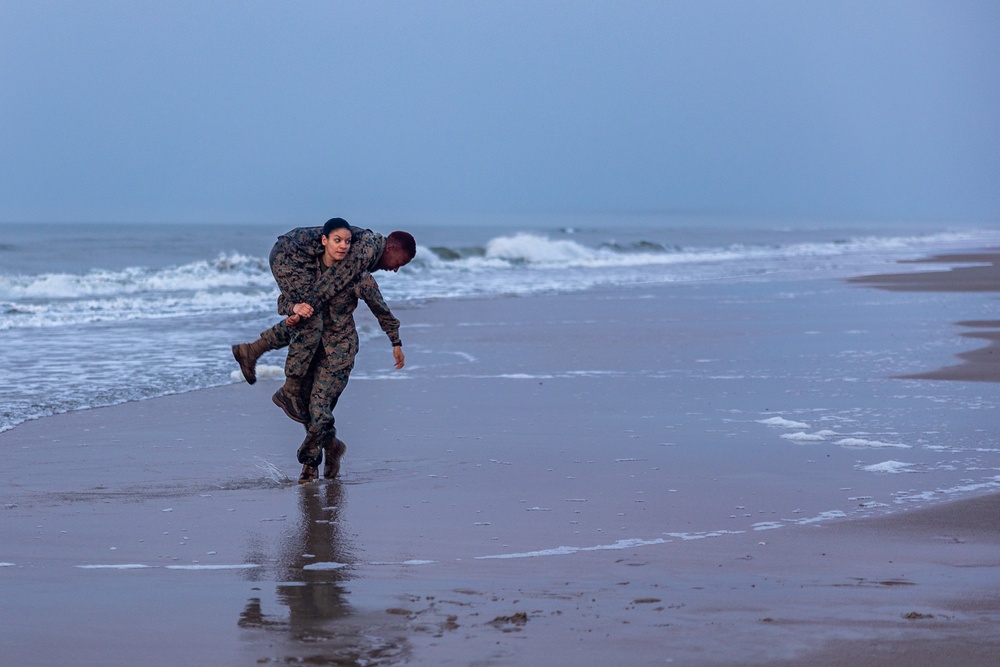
pixel 232 270
pixel 518 264
pixel 82 337
pixel 513 252
pixel 122 309
pixel 535 250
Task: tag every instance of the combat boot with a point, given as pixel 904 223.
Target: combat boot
pixel 289 398
pixel 309 474
pixel 331 455
pixel 247 354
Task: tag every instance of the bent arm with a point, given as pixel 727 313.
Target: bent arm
pixel 366 249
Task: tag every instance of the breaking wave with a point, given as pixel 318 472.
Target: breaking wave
pixel 517 264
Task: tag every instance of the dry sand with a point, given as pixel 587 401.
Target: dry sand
pixel 529 507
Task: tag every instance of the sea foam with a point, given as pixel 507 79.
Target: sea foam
pixel 782 422
pixel 862 442
pixel 803 437
pixel 563 551
pixel 889 467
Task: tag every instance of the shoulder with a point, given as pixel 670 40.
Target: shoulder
pixel 365 236
pixel 305 237
pixel 303 232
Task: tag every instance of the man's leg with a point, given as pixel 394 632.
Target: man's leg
pixel 304 337
pixel 247 354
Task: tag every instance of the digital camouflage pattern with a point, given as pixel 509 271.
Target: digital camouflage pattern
pixel 331 366
pixel 328 383
pixel 338 315
pixel 297 265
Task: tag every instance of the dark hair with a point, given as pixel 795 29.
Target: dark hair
pixel 335 223
pixel 404 241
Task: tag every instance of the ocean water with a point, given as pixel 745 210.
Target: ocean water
pixel 98 314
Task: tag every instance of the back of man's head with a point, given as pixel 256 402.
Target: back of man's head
pixel 334 223
pixel 405 242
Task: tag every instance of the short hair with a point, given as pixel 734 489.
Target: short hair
pixel 335 223
pixel 404 241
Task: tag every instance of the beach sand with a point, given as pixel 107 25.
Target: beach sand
pixel 975 272
pixel 582 479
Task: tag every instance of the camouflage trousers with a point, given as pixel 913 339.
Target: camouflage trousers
pixel 304 338
pixel 299 340
pixel 277 336
pixel 325 382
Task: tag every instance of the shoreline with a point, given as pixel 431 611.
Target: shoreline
pixel 978 365
pixel 550 482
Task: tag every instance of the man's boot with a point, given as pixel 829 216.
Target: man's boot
pixel 247 354
pixel 289 398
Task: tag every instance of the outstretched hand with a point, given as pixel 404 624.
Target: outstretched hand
pixel 397 354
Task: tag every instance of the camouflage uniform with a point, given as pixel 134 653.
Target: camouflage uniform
pixel 297 264
pixel 334 359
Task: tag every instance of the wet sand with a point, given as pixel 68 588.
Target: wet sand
pixel 585 479
pixel 981 364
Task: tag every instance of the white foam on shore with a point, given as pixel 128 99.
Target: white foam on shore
pixel 240 566
pixel 990 483
pixel 324 566
pixel 564 551
pixel 264 372
pixel 822 516
pixel 782 422
pixel 894 467
pixel 803 437
pixel 861 442
pixel 142 566
pixel 6 565
pixel 768 525
pixel 405 562
pixel 701 536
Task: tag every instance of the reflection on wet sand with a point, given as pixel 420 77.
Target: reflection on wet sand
pixel 979 365
pixel 312 565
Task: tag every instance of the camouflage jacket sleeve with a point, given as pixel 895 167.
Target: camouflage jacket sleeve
pixel 367 289
pixel 366 250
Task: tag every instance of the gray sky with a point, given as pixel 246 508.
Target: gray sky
pixel 200 110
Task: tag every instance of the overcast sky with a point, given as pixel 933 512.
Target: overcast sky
pixel 201 110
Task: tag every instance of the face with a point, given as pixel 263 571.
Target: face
pixel 336 245
pixel 392 259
